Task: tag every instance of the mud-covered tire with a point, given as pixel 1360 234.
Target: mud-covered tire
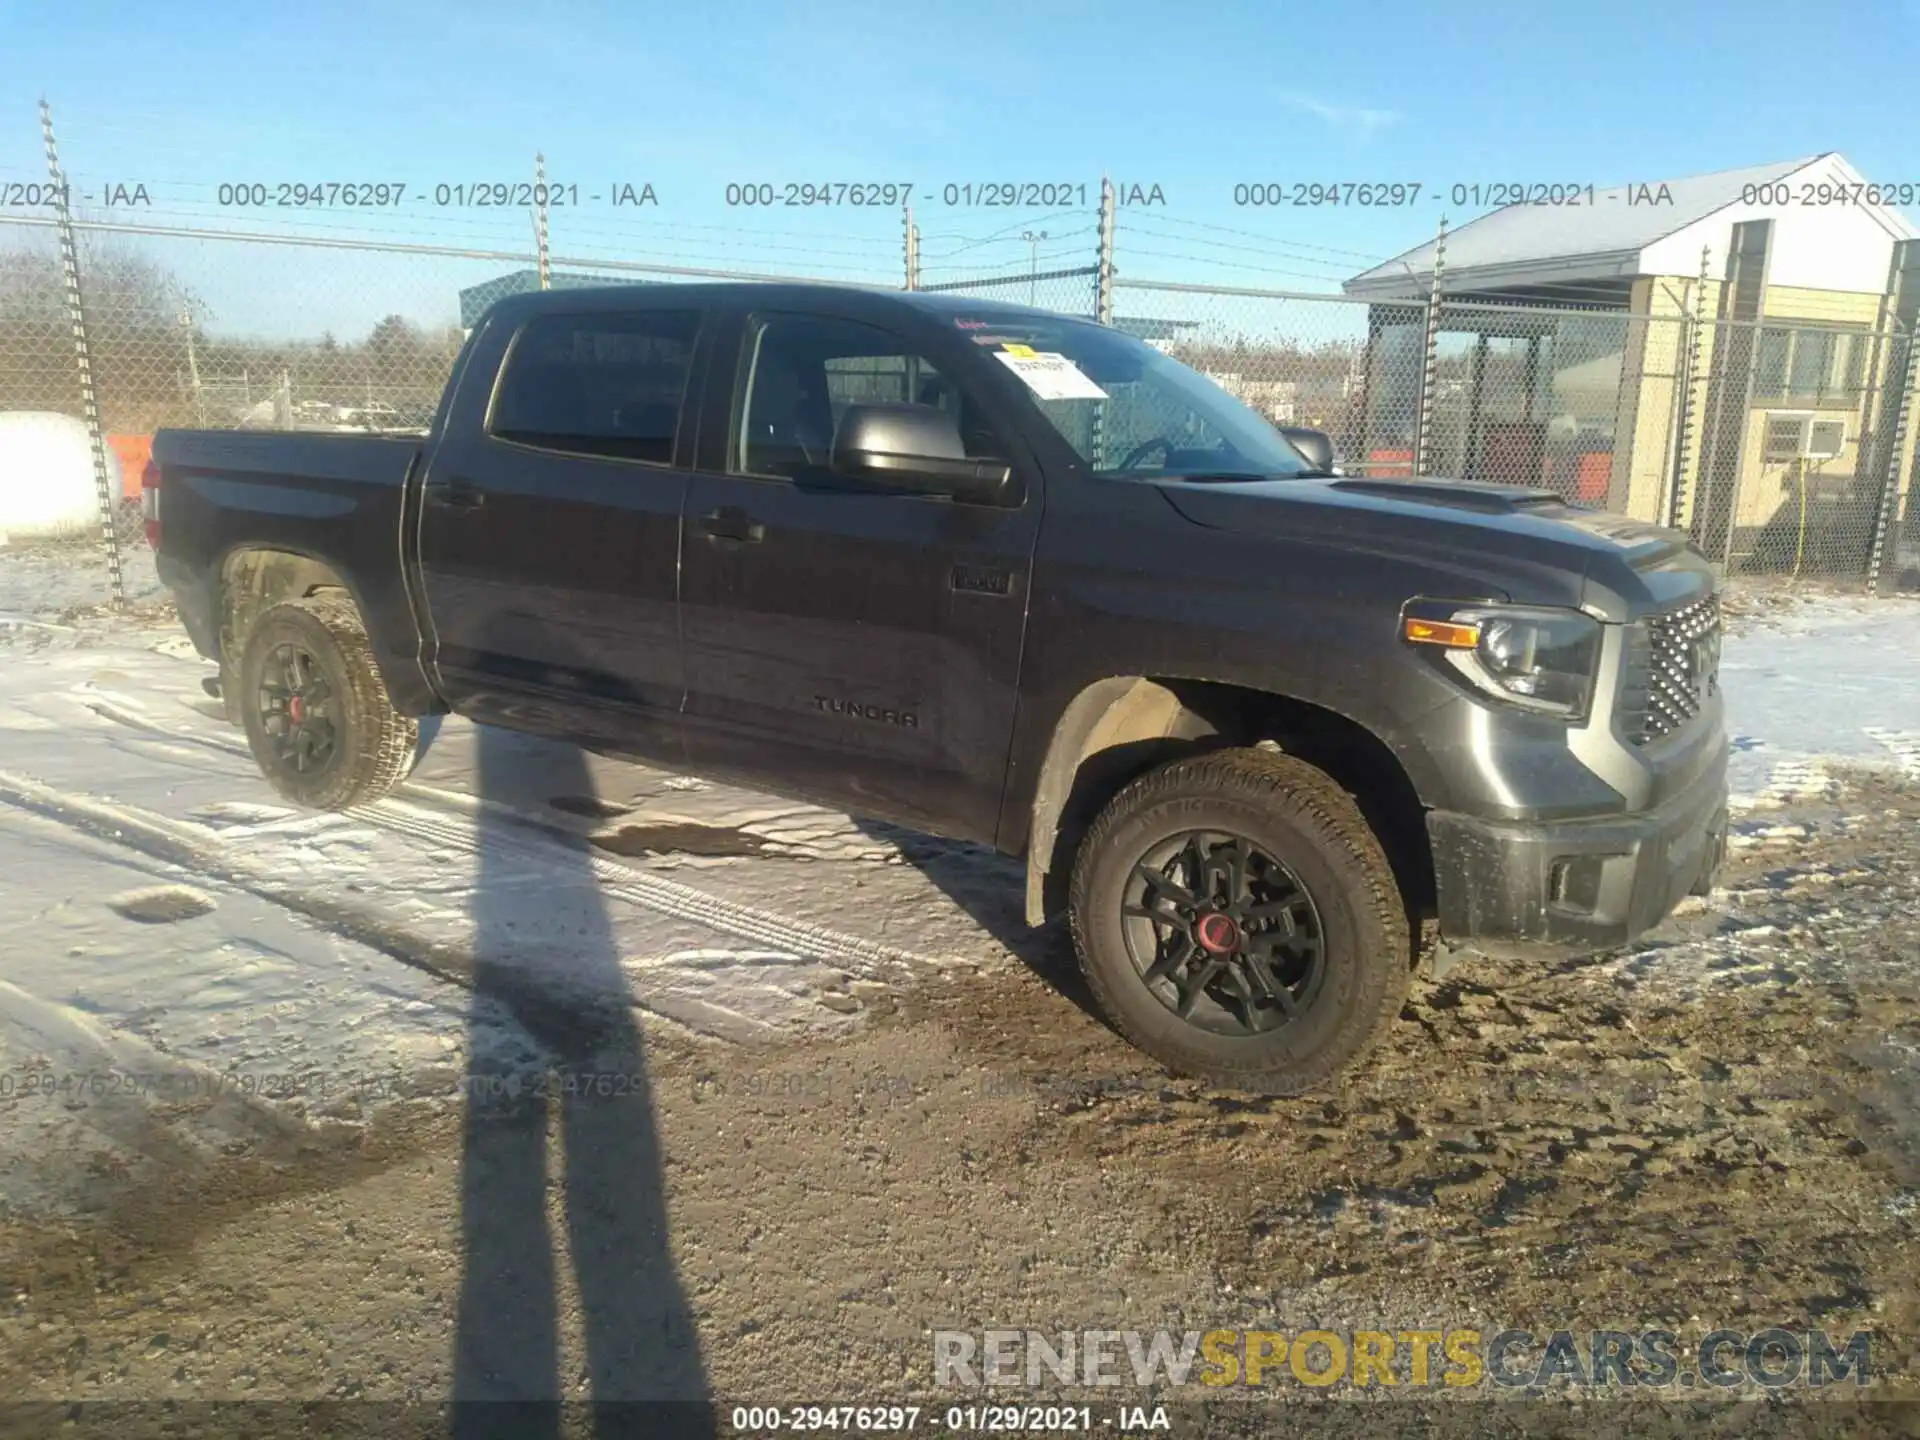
pixel 371 746
pixel 1305 821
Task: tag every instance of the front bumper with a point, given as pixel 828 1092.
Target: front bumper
pixel 1519 890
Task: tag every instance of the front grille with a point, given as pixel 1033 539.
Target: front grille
pixel 1673 669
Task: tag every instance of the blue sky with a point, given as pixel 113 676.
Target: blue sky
pixel 1191 97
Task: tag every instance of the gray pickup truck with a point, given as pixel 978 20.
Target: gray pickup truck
pixel 1005 576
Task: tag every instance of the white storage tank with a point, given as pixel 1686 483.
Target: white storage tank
pixel 46 475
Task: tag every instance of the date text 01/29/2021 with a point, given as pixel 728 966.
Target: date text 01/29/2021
pixel 992 1419
pixel 464 194
pixel 1496 194
pixel 969 194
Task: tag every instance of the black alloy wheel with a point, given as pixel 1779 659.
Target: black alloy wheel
pixel 1237 919
pixel 1224 934
pixel 296 706
pixel 318 718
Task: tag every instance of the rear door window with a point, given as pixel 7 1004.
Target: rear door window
pixel 607 385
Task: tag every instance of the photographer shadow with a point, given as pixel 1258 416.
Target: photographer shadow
pixel 556 1058
pixel 988 888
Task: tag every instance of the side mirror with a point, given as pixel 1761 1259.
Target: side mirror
pixel 915 448
pixel 1316 445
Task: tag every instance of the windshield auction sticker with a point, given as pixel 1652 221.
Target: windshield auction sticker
pixel 1049 375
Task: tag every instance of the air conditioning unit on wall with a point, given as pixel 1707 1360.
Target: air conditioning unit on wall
pixel 1799 435
pixel 1825 439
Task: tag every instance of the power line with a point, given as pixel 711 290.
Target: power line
pixel 1228 264
pixel 601 238
pixel 608 243
pixel 193 204
pixel 1255 235
pixel 999 234
pixel 392 221
pixel 1052 252
pixel 1245 249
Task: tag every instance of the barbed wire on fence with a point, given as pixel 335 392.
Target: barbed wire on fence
pixel 1776 443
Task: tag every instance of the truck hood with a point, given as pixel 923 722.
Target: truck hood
pixel 1524 542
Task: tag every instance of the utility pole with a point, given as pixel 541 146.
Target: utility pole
pixel 1033 239
pixel 193 369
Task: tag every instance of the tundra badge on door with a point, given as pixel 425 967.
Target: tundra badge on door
pixel 882 714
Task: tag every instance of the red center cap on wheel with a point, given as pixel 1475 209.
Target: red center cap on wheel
pixel 1217 933
pixel 296 709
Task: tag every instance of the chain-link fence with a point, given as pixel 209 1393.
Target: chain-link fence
pixel 1778 446
pixel 1069 292
pixel 1578 401
pixel 217 333
pixel 1784 448
pixel 37 369
pixel 1322 361
pixel 1801 460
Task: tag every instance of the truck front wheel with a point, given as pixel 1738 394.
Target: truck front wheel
pixel 1237 920
pixel 315 710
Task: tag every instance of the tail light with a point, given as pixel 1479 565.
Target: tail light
pixel 150 502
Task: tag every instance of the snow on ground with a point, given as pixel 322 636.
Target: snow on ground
pixel 174 931
pixel 45 579
pixel 132 987
pixel 1812 688
pixel 1832 679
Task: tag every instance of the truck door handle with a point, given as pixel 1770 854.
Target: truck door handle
pixel 730 524
pixel 455 494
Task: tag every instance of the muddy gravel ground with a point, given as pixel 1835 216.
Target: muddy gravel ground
pixel 1720 1129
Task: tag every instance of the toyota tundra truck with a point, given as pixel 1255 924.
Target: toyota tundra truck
pixel 1270 737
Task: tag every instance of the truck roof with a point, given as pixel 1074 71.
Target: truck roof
pixel 766 292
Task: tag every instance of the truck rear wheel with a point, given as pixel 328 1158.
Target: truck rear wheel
pixel 1237 920
pixel 315 710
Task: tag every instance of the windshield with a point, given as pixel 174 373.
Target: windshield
pixel 1128 411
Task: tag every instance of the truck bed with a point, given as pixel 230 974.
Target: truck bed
pixel 323 458
pixel 337 498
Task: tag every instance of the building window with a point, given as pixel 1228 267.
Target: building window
pixel 1811 367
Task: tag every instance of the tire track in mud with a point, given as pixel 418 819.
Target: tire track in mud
pixel 201 850
pixel 1790 781
pixel 1593 1144
pixel 1905 745
pixel 446 824
pixel 868 958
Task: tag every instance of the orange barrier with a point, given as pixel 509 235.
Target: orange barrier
pixel 1383 464
pixel 134 452
pixel 1593 477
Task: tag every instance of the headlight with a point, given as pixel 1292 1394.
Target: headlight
pixel 1534 657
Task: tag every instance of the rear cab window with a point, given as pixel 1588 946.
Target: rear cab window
pixel 610 385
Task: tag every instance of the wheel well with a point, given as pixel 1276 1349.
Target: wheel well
pixel 250 581
pixel 1117 729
